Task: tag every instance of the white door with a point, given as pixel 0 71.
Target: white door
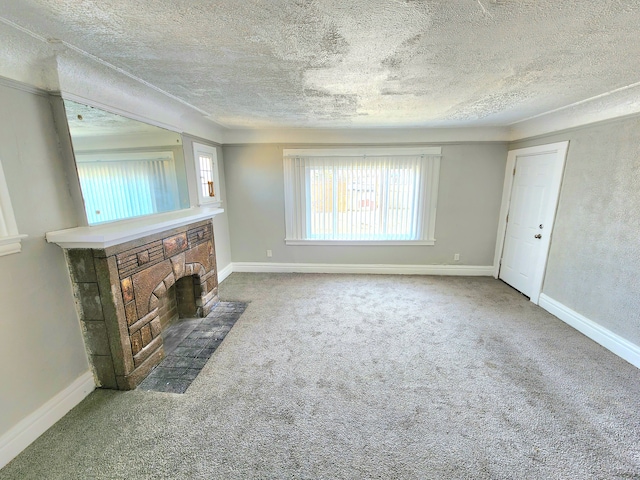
pixel 531 213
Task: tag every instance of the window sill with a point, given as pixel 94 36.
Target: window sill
pixel 11 244
pixel 109 234
pixel 215 204
pixel 361 243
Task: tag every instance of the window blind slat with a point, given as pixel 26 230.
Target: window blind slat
pixel 376 198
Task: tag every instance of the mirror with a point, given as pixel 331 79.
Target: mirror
pixel 126 168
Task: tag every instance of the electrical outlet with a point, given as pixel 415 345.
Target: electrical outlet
pixel 456 257
pixel 269 253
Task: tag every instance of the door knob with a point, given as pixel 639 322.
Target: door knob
pixel 538 236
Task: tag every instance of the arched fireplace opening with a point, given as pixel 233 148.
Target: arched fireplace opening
pixel 183 300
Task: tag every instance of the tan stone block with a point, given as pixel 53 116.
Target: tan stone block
pixel 199 254
pixel 131 312
pixel 153 302
pixel 147 351
pixel 95 338
pixel 212 283
pixel 136 343
pixel 174 245
pixel 178 264
pixel 114 314
pixel 160 290
pixel 143 321
pixel 170 280
pixel 145 332
pixel 89 301
pixel 81 266
pixel 156 327
pixel 103 372
pixel 132 380
pixel 146 281
pixel 127 290
pixel 143 257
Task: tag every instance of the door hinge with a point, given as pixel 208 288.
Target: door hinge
pixel 507 218
pixel 514 171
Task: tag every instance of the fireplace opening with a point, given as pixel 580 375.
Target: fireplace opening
pixel 183 300
pixel 179 309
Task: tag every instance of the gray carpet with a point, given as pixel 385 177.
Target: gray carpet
pixel 341 376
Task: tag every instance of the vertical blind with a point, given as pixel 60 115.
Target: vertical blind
pixel 118 186
pixel 357 198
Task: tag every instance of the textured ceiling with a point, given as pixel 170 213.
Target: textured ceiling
pixel 356 63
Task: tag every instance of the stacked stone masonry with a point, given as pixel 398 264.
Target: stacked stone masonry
pixel 120 292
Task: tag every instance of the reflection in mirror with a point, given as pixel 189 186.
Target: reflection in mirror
pixel 126 168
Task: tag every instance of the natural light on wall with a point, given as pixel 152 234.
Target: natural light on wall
pixel 356 196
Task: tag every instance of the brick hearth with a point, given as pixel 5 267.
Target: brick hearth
pixel 119 292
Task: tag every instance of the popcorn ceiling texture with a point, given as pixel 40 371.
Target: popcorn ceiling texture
pixel 362 63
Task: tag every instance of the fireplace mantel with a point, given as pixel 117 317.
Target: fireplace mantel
pixel 122 273
pixel 115 233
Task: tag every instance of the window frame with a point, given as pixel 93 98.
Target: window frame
pixel 209 201
pixel 431 178
pixel 10 238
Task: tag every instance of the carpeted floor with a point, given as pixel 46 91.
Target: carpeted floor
pixel 349 377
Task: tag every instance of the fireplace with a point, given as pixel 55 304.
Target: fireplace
pixel 123 293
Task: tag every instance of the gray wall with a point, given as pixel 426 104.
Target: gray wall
pixel 594 261
pixel 41 346
pixel 471 177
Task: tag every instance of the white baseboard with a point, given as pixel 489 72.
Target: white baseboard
pixel 29 429
pixel 599 334
pixel 225 272
pixel 459 270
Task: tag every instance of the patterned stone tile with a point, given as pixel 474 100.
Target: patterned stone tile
pixel 197 340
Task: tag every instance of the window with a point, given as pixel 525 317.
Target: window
pixel 360 196
pixel 207 174
pixel 124 185
pixel 9 237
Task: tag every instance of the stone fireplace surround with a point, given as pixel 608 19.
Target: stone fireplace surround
pixel 119 283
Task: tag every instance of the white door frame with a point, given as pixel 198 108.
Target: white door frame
pixel 560 149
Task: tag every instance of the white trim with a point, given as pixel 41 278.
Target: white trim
pixel 360 243
pixel 115 233
pixel 560 149
pixel 297 198
pixel 30 428
pixel 116 111
pixel 23 87
pixel 361 151
pixel 12 244
pixel 504 210
pixel 365 136
pixel 225 272
pixel 9 236
pixel 452 270
pixel 605 106
pixel 596 332
pixel 213 152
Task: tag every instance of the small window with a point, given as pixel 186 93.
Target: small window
pixel 206 158
pixel 9 236
pixel 385 196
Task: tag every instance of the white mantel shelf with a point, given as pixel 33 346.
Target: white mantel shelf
pixel 115 233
